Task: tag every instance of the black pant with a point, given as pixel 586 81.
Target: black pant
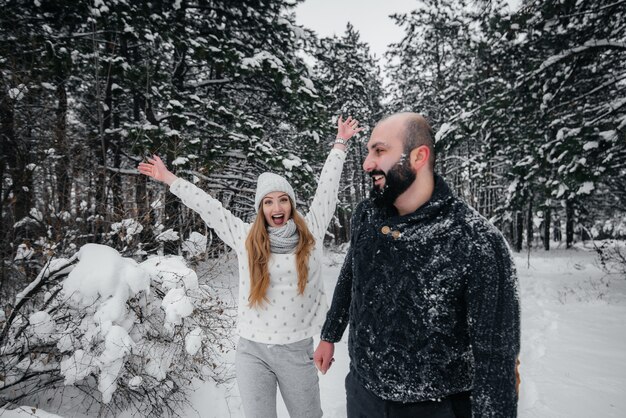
pixel 362 403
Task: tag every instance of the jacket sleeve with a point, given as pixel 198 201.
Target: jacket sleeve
pixel 323 206
pixel 494 326
pixel 339 313
pixel 227 226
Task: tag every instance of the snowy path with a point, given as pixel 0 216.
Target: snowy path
pixel 573 337
pixel 573 344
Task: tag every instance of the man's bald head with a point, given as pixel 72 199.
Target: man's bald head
pixel 416 132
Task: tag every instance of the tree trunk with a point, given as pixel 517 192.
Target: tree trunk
pixel 547 221
pixel 117 140
pixel 365 182
pixel 15 157
pixel 342 229
pixel 569 224
pixel 519 231
pixel 7 142
pixel 171 220
pixel 529 224
pixel 62 166
pixel 117 189
pixel 107 123
pixel 172 206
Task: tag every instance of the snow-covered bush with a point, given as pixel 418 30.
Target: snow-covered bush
pixel 127 334
pixel 612 256
pixel 612 228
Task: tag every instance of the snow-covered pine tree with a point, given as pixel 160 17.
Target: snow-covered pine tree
pixel 215 87
pixel 570 97
pixel 352 85
pixel 537 116
pixel 427 67
pixel 35 162
pixel 244 102
pixel 442 69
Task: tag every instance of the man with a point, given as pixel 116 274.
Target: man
pixel 429 289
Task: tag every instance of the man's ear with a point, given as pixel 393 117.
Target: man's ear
pixel 420 157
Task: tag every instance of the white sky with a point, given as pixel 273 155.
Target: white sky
pixel 369 17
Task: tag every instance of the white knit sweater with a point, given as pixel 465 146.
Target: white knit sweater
pixel 289 317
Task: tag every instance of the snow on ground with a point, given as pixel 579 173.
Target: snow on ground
pixel 573 337
pixel 26 412
pixel 573 342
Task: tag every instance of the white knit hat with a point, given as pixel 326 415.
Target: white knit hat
pixel 268 183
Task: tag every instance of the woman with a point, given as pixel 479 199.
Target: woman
pixel 281 295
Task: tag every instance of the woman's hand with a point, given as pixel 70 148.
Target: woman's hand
pixel 346 129
pixel 156 169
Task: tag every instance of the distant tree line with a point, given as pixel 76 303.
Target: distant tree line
pixel 529 108
pixel 219 89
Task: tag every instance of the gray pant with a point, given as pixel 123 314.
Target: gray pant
pixel 261 366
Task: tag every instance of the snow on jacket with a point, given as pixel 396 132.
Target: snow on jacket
pixel 288 317
pixel 431 300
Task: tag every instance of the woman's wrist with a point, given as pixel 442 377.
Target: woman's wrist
pixel 340 142
pixel 170 179
pixel 339 146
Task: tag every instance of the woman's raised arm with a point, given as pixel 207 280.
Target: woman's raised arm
pixel 228 227
pixel 323 205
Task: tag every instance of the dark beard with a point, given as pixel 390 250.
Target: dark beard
pixel 397 180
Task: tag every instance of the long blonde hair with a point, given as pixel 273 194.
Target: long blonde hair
pixel 258 246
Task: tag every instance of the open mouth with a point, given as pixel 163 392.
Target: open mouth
pixel 278 219
pixel 378 179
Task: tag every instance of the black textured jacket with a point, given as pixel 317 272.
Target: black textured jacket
pixel 431 299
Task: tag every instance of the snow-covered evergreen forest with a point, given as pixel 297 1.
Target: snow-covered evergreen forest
pixel 106 278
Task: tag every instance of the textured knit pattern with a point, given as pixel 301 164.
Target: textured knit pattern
pixel 288 317
pixel 432 303
pixel 284 239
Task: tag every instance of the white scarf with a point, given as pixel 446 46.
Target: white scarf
pixel 283 239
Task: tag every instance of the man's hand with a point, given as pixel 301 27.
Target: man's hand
pixel 156 169
pixel 323 356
